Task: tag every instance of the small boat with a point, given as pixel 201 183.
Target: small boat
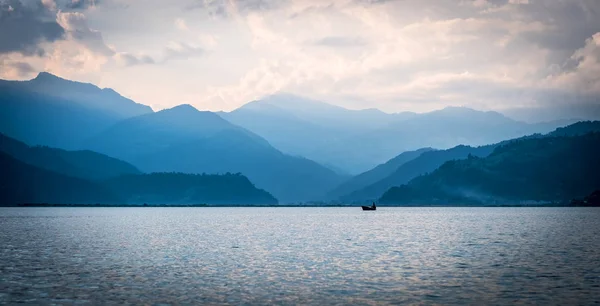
pixel 372 207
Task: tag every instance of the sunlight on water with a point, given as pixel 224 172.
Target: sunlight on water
pixel 300 255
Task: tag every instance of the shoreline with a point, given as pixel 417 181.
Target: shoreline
pixel 278 206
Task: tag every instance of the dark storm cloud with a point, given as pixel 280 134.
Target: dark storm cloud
pixel 24 26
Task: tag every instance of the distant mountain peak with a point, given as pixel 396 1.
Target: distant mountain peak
pixel 47 79
pixel 292 102
pixel 186 115
pixel 284 95
pixel 456 109
pixel 181 109
pixel 47 76
pixel 89 95
pixel 466 112
pixel 373 110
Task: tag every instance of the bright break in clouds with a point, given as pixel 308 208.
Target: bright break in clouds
pixel 533 59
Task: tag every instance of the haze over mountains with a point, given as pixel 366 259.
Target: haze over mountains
pixel 184 139
pixel 39 175
pixel 544 169
pixel 380 172
pixel 410 165
pixel 80 164
pixel 357 140
pixel 295 148
pixel 49 110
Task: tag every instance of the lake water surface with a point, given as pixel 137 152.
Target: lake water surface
pixel 257 256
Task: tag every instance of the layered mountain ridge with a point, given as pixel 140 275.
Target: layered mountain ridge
pixel 296 148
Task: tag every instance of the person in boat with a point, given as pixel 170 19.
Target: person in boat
pixel 373 206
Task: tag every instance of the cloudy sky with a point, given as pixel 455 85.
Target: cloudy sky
pixel 532 59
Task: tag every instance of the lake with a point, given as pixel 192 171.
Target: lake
pixel 291 256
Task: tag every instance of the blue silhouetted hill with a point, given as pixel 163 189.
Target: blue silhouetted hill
pixel 375 175
pixel 429 161
pixel 55 112
pixel 38 175
pixel 577 129
pixel 23 183
pixel 591 200
pixel 310 128
pixel 422 164
pixel 179 188
pixel 86 94
pixel 82 164
pixel 531 170
pixel 183 139
pixel 358 140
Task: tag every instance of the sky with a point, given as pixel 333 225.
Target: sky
pixel 534 60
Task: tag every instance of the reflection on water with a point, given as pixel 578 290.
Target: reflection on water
pixel 300 255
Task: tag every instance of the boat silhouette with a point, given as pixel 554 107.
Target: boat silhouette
pixel 372 207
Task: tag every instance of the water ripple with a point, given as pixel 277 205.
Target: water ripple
pixel 290 256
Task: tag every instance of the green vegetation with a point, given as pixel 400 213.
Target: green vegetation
pixel 23 183
pixel 376 174
pixel 577 129
pixel 534 170
pixel 183 139
pixel 38 175
pixel 592 200
pixel 180 188
pixel 423 164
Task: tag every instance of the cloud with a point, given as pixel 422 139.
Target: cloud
pixel 584 75
pixel 127 59
pixel 49 4
pixel 26 26
pixel 340 41
pixel 81 4
pixel 16 70
pixel 229 8
pixel 181 50
pixel 396 55
pixel 486 54
pixel 173 51
pixel 75 24
pixel 42 35
pixel 23 68
pixel 181 25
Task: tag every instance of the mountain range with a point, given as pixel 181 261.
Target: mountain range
pixel 380 172
pixel 183 139
pixel 295 148
pixel 421 164
pixel 23 183
pixel 424 161
pixel 52 111
pixel 354 141
pixel 38 175
pixel 86 164
pixel 532 170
